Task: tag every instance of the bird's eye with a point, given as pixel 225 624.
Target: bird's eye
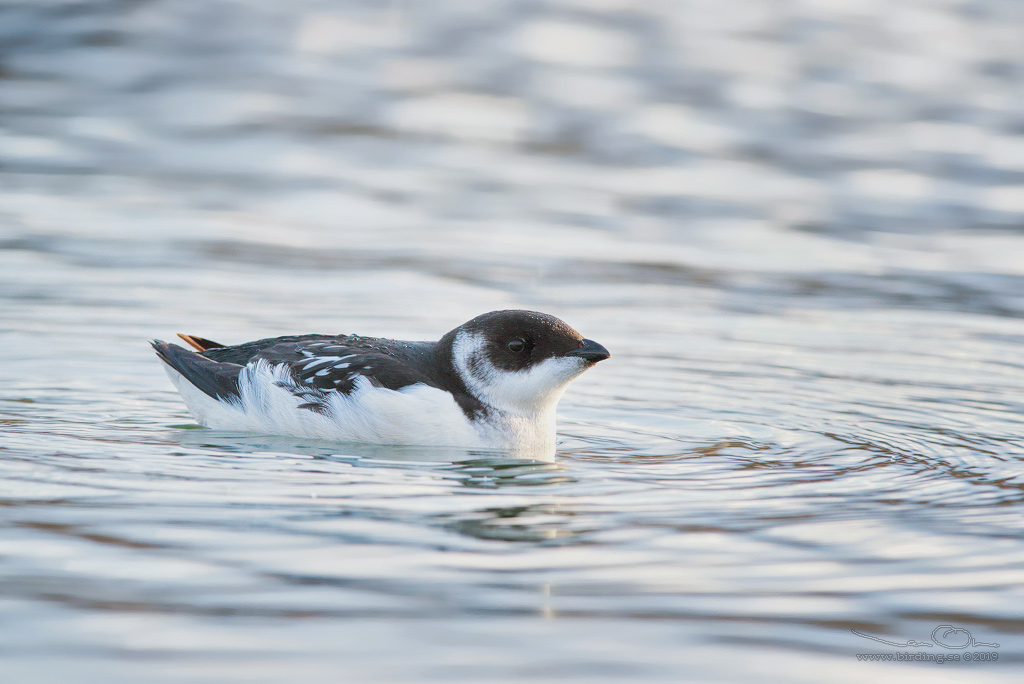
pixel 516 346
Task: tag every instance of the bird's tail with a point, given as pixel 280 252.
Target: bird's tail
pixel 218 380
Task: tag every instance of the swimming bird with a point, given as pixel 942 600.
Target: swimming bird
pixel 493 382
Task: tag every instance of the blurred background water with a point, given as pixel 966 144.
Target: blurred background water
pixel 795 223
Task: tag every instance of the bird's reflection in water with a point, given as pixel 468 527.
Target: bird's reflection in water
pixel 545 522
pixel 481 468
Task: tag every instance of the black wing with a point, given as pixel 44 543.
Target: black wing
pixel 334 364
pixel 320 365
pixel 243 353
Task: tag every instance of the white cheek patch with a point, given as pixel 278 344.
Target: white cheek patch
pixel 534 390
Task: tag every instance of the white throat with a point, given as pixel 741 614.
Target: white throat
pixel 525 400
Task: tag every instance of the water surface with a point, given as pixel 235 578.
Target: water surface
pixel 811 422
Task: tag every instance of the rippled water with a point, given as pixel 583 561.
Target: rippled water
pixel 811 424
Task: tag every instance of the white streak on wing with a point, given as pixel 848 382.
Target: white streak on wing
pixel 319 361
pixel 417 414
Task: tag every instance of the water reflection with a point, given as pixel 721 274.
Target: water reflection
pixel 547 523
pixel 236 442
pixel 484 468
